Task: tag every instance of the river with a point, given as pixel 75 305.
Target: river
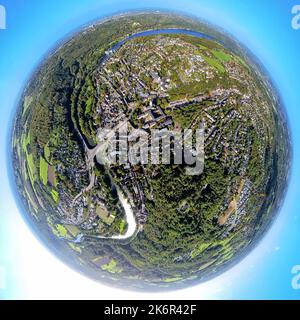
pixel 151 33
pixel 130 217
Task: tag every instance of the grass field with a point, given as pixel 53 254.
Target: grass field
pixel 215 64
pixel 31 168
pixel 73 230
pixel 43 171
pixel 88 107
pixel 55 195
pixel 75 248
pixel 168 280
pixel 112 267
pixel 221 55
pixel 27 103
pixel 122 226
pixel 47 153
pixel 202 247
pixel 62 231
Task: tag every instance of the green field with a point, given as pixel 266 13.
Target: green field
pixel 215 64
pixel 202 247
pixel 122 226
pixel 27 102
pixel 44 171
pixel 112 267
pixel 47 153
pixel 62 231
pixel 221 55
pixel 55 195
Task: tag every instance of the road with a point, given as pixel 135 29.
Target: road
pixel 90 155
pixel 132 229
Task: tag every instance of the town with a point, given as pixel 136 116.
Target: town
pixel 190 98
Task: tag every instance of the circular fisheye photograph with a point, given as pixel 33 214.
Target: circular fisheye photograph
pixel 151 151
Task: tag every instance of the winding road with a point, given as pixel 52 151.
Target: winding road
pixel 96 154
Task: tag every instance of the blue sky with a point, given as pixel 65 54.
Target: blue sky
pixel 27 269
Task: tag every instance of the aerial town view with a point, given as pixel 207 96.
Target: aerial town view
pixel 143 223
